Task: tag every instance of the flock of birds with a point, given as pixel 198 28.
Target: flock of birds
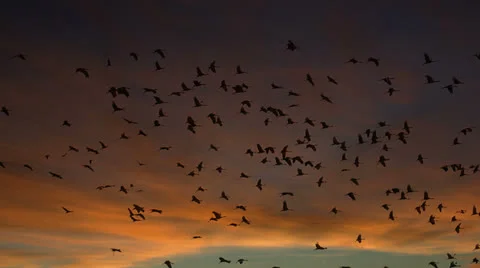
pixel 380 134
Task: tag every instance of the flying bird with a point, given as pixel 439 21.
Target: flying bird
pixel 5 110
pixel 375 61
pixel 168 263
pixel 318 247
pixel 134 56
pixel 115 250
pixel 221 259
pixel 291 46
pixel 427 59
pixel 67 210
pixel 83 71
pixel 285 207
pixel 19 56
pixel 160 52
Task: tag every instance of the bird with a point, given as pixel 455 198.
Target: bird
pixel 318 247
pixel 359 239
pixel 427 59
pixel 386 206
pixel 450 256
pixel 5 110
pixel 88 167
pixel 391 216
pixel 456 81
pixel 355 181
pixel 66 210
pixel 285 207
pixel 325 98
pixel 123 189
pixel 19 56
pixel 28 167
pixel 55 175
pixel 335 210
pixel 458 228
pixel 116 108
pixel 426 196
pixel 241 261
pixel 430 80
pixel 375 61
pixel 352 196
pixel 420 158
pixel 259 185
pixel 353 61
pixel 158 67
pixel 331 80
pixel 160 52
pixel 115 250
pixel 310 79
pixel 238 70
pixel 286 193
pixel 224 196
pixel 291 46
pixel 456 142
pixel 199 72
pixel 241 207
pixel 223 260
pixel 245 220
pixel 410 189
pixel 159 211
pixel 391 90
pixel 168 263
pixel 213 67
pixel 83 71
pixel 134 56
pixel 196 200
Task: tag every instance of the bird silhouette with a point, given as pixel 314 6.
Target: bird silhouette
pixel 168 263
pixel 5 110
pixel 83 71
pixel 360 239
pixel 19 56
pixel 291 46
pixel 318 247
pixel 66 210
pixel 241 261
pixel 285 207
pixel 159 211
pixel 352 196
pixel 134 56
pixel 223 260
pixel 160 52
pixel 375 61
pixel 310 80
pixel 115 250
pixel 427 59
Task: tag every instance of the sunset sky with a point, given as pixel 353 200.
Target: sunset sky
pixel 41 92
